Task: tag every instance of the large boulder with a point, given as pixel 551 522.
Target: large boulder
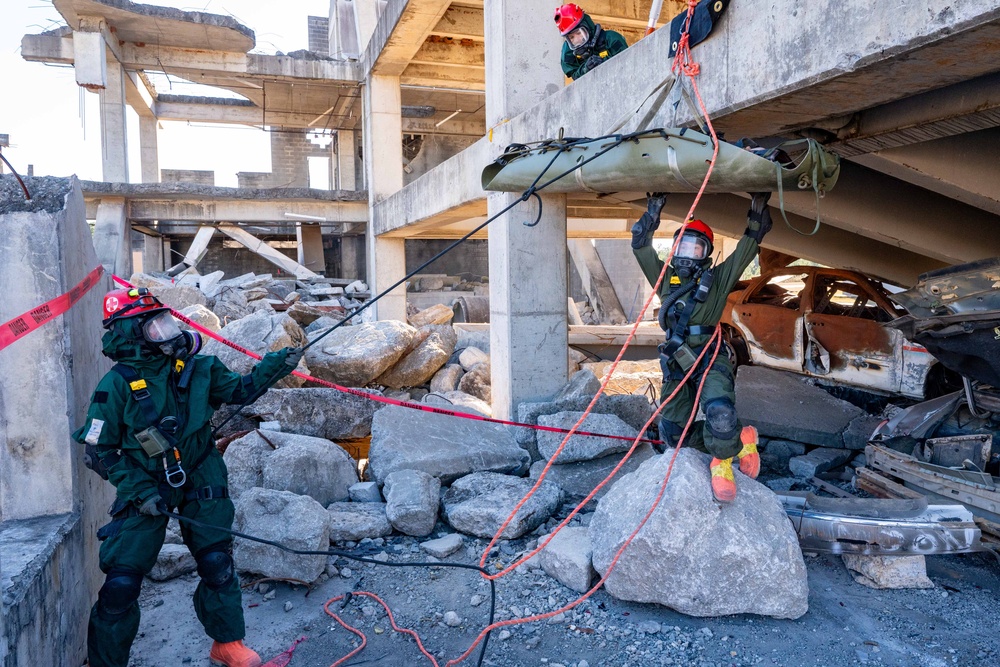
pixel 309 466
pixel 260 332
pixel 440 445
pixel 436 314
pixel 583 384
pixel 280 516
pixel 789 406
pixel 583 447
pixel 459 401
pixel 577 480
pixel 230 303
pixel 358 354
pixel 419 365
pixel 717 559
pixel 317 411
pixel 472 357
pixel 356 521
pixel 173 561
pixel 244 460
pixel 179 297
pixel 447 378
pixel 567 559
pixel 631 409
pixel 477 382
pixel 412 499
pixel 888 571
pixel 479 503
pixel 200 314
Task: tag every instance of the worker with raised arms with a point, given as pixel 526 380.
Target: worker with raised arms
pixel 693 296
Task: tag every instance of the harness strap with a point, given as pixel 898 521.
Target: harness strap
pixel 207 493
pixel 139 392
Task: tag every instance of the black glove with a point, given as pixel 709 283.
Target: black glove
pixel 294 356
pixel 759 216
pixel 592 62
pixel 153 506
pixel 642 231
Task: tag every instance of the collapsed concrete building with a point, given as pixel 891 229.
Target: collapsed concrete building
pixel 403 102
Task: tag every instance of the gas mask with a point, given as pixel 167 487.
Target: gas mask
pixel 690 252
pixel 578 38
pixel 161 333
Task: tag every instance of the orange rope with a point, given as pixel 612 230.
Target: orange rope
pixel 364 640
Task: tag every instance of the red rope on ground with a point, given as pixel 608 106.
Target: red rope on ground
pixel 364 641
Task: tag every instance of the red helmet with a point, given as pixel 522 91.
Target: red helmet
pixel 697 244
pixel 699 226
pixel 568 17
pixel 122 303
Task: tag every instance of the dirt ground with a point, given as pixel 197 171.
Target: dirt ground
pixel 955 623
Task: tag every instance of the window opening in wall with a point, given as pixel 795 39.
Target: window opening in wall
pixel 321 138
pixel 319 173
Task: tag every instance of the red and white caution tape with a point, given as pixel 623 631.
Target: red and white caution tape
pixel 21 326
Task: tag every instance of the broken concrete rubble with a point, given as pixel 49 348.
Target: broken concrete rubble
pixel 356 355
pixel 888 571
pixel 567 559
pixel 412 499
pixel 441 446
pixel 807 413
pixel 819 460
pixel 356 521
pixel 436 314
pixel 577 480
pixel 479 503
pixel 443 547
pixel 420 364
pixel 582 384
pixel 280 516
pixel 203 316
pixel 309 466
pixel 317 411
pixel 175 560
pixel 458 401
pixel 583 447
pixel 365 492
pixel 260 332
pixel 477 382
pixel 447 378
pixel 706 549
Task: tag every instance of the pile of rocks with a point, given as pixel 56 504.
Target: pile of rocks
pixel 441 282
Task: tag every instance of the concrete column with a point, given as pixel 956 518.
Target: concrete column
pixel 148 151
pixel 309 236
pixel 528 332
pixel 113 236
pixel 365 19
pixel 114 139
pixel 352 257
pixel 346 161
pixel 383 137
pixel 152 254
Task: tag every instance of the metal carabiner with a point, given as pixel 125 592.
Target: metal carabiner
pixel 176 477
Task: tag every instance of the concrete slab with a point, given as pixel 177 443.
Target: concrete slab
pixel 787 406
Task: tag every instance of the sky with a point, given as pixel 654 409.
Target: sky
pixel 55 125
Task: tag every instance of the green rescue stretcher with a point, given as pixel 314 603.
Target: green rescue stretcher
pixel 662 160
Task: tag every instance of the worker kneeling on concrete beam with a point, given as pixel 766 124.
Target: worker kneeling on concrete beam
pixel 587 44
pixel 693 296
pixel 148 432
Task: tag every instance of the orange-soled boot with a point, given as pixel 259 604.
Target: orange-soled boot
pixel 748 456
pixel 233 654
pixel 723 484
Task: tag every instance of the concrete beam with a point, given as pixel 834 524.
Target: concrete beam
pixel 309 237
pixel 112 236
pixel 963 168
pixel 191 63
pixel 451 53
pixel 401 30
pixel 149 149
pixel 243 211
pixel 961 108
pixel 596 282
pixel 460 23
pixel 260 247
pixel 885 209
pixel 229 114
pixel 444 76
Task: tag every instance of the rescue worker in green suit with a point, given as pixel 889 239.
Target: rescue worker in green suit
pixel 693 296
pixel 587 44
pixel 148 432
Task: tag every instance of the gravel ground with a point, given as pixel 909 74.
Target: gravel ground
pixel 847 623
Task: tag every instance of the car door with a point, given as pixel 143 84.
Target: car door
pixel 769 318
pixel 845 337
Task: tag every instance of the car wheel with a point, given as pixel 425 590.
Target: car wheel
pixel 738 343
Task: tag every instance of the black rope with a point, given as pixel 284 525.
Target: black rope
pixel 525 196
pixel 350 556
pixel 27 195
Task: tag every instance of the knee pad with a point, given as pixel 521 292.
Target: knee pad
pixel 119 592
pixel 215 568
pixel 720 416
pixel 670 432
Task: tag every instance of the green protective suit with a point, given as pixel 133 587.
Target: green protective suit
pixel 132 541
pixel 720 380
pixel 609 43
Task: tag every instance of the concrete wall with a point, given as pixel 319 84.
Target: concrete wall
pixel 471 257
pixel 436 149
pixel 319 34
pixel 50 504
pixel 290 150
pixel 199 176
